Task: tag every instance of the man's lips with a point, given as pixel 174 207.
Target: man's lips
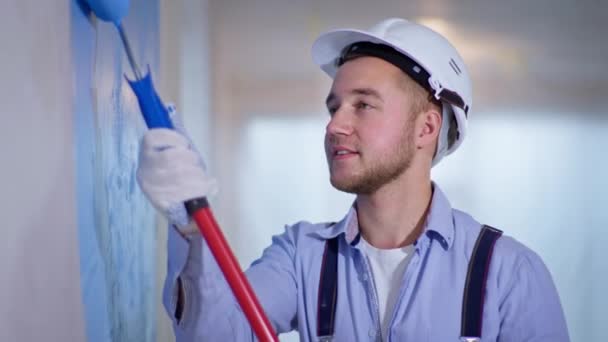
pixel 342 152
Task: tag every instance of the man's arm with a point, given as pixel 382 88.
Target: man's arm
pixel 196 295
pixel 200 302
pixel 530 308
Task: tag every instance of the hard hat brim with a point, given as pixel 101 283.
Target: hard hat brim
pixel 328 47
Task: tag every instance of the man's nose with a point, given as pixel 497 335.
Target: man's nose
pixel 340 123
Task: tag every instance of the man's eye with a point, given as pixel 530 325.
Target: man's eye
pixel 332 110
pixel 363 105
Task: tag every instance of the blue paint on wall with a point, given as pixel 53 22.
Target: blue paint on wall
pixel 116 225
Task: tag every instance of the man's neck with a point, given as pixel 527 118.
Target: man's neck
pixel 394 216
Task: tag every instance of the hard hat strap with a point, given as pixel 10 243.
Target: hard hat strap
pixel 406 64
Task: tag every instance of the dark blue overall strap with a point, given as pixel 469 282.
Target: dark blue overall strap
pixel 328 290
pixel 475 286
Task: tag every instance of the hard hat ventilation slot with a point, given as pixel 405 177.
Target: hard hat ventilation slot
pixel 455 67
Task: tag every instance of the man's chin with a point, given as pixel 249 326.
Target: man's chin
pixel 347 186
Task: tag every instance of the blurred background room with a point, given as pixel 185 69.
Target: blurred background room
pixel 534 163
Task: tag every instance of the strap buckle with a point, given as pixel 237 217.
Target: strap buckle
pixel 469 339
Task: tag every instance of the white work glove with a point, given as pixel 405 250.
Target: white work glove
pixel 171 171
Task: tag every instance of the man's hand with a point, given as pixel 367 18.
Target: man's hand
pixel 171 172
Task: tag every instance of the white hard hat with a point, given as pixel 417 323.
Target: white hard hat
pixel 431 61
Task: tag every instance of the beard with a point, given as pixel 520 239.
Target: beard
pixel 383 169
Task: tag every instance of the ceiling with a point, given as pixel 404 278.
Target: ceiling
pixel 518 52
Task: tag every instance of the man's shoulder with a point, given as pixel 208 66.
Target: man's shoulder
pixel 307 227
pixel 509 255
pixel 302 232
pixel 306 239
pixel 507 247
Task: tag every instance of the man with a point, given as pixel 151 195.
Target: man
pixel 399 102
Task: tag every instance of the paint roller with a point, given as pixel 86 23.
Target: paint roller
pixel 156 116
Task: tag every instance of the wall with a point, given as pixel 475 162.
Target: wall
pixel 83 255
pixel 117 229
pixel 184 80
pixel 39 264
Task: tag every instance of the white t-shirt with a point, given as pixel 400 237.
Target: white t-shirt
pixel 388 267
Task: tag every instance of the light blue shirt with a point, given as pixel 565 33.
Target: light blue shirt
pixel 521 302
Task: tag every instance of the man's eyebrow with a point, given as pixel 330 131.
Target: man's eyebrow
pixel 367 92
pixel 356 91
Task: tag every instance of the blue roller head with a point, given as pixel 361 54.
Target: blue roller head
pixel 109 10
pixel 152 108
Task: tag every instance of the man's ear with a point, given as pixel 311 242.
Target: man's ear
pixel 428 124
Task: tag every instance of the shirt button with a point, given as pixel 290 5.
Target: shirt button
pixel 372 333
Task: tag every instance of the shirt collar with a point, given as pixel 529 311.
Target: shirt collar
pixel 349 226
pixel 439 223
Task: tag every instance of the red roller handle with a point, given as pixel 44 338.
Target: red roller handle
pixel 201 213
pixel 155 114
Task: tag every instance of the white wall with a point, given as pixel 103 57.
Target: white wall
pixel 185 81
pixel 39 269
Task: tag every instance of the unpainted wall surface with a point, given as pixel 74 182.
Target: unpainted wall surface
pixel 39 271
